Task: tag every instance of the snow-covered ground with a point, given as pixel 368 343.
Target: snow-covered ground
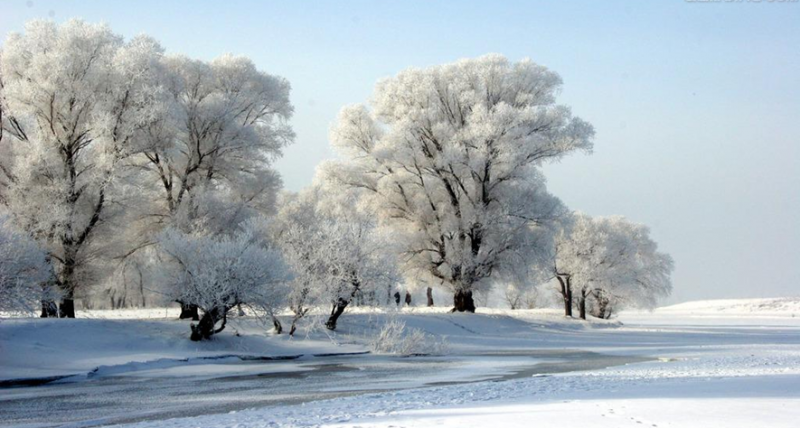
pixel 700 364
pixel 109 342
pixel 774 308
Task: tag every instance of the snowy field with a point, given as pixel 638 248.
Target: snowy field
pixel 733 363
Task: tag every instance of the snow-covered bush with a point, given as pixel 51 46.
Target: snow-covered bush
pixel 395 338
pixel 219 273
pixel 23 270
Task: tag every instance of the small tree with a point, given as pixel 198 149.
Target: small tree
pixel 636 273
pixel 219 273
pixel 295 231
pixel 335 250
pixel 611 260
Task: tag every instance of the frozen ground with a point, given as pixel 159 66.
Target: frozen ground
pixel 701 366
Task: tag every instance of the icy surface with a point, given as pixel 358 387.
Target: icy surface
pixel 700 372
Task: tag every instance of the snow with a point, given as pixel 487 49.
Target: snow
pixel 692 371
pixel 39 348
pixel 724 388
pixel 774 307
pixel 36 348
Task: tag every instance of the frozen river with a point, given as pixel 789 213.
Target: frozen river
pixel 190 390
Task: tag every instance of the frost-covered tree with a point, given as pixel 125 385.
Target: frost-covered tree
pixel 24 270
pixel 219 273
pixel 614 262
pixel 449 158
pixel 359 260
pixel 296 230
pixel 207 164
pixel 335 250
pixel 641 274
pixel 551 264
pixel 74 99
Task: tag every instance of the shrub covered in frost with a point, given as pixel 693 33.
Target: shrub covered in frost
pixel 395 338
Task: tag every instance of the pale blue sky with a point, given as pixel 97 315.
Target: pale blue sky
pixel 696 105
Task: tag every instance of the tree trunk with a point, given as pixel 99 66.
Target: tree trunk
pixel 298 314
pixel 67 284
pixel 463 302
pixel 566 293
pixel 336 312
pixel 429 293
pixel 277 324
pixel 49 309
pixel 67 307
pixel 189 311
pixel 582 307
pixel 141 290
pixel 205 328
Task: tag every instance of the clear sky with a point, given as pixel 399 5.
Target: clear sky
pixel 696 105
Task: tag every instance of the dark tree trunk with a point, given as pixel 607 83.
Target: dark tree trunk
pixel 566 293
pixel 49 309
pixel 408 298
pixel 336 312
pixel 141 290
pixel 582 307
pixel 341 303
pixel 463 301
pixel 189 311
pixel 429 293
pixel 67 307
pixel 298 314
pixel 205 328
